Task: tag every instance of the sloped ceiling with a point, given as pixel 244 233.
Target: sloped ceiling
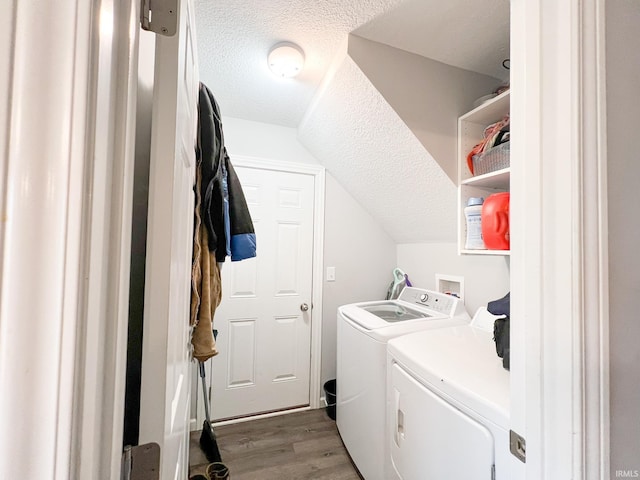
pixel 473 35
pixel 427 95
pixel 377 158
pixel 354 124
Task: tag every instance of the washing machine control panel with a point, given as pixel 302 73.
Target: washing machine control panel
pixel 436 301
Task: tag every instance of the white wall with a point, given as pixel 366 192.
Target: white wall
pixel 623 124
pixel 486 278
pixel 263 140
pixel 364 255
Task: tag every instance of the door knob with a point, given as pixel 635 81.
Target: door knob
pixel 304 307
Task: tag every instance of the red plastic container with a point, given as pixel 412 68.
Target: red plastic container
pixel 495 221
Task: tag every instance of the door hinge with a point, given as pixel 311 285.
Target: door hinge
pixel 141 462
pixel 159 16
pixel 518 446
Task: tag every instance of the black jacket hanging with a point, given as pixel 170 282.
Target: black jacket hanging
pixel 224 208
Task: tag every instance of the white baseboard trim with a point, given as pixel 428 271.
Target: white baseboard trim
pixel 260 416
pixel 194 426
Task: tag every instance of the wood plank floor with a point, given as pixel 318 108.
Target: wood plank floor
pixel 295 446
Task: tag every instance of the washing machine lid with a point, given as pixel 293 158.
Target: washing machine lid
pixel 393 312
pixel 378 316
pixel 461 363
pixel 414 305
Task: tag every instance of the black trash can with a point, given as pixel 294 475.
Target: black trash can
pixel 330 398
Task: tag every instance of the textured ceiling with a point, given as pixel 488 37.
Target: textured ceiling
pixel 341 118
pixel 377 158
pixel 234 39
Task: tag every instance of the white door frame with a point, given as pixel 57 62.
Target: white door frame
pixel 318 173
pixel 101 362
pixel 559 277
pixel 69 80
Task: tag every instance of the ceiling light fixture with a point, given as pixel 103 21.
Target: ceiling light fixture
pixel 286 59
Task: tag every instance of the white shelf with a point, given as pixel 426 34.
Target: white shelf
pixel 471 127
pixel 500 179
pixel 485 252
pixel 489 111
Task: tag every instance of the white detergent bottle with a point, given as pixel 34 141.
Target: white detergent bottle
pixel 473 216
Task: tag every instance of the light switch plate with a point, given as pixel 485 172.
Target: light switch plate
pixel 331 274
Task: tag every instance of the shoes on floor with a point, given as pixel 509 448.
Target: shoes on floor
pixel 217 471
pixel 214 471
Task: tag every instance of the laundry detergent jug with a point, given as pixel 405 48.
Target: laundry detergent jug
pixel 495 221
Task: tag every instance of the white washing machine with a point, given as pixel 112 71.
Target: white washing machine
pixel 363 332
pixel 448 405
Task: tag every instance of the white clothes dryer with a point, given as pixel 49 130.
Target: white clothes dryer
pixel 448 405
pixel 363 332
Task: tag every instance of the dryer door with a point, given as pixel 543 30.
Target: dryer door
pixel 431 439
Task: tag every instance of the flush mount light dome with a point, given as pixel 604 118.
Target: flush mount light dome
pixel 286 59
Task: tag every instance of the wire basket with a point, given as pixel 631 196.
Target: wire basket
pixel 495 159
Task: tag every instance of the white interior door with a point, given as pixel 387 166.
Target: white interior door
pixel 165 390
pixel 264 330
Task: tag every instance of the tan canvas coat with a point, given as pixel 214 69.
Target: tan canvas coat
pixel 206 287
